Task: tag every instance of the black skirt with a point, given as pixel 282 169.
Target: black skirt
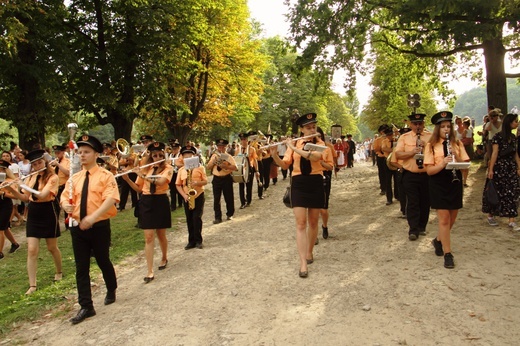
pixel 444 192
pixel 154 212
pixel 43 220
pixel 307 191
pixel 6 208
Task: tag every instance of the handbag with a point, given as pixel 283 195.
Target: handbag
pixel 287 196
pixel 491 194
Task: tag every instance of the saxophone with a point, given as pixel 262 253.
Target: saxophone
pixel 191 192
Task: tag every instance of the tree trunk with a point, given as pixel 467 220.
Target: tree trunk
pixel 122 127
pixel 494 55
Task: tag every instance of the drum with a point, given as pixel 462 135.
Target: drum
pixel 241 175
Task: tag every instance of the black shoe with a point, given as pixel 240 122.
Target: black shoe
pixel 448 261
pixel 261 197
pixel 248 205
pixel 189 246
pixel 422 231
pixel 148 279
pixel 303 275
pixel 382 193
pixel 229 218
pixel 1 255
pixel 413 236
pixel 82 314
pixel 14 247
pixel 199 246
pixel 325 232
pixel 243 206
pixel 438 247
pixel 172 208
pixel 110 297
pixel 162 267
pixel 217 221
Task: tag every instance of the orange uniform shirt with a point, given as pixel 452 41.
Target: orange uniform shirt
pixel 223 172
pixel 197 174
pixel 377 146
pixel 65 162
pixel 433 155
pixel 159 190
pixel 294 158
pixel 406 143
pixel 51 185
pixel 101 185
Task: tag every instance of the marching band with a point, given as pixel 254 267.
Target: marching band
pixel 150 170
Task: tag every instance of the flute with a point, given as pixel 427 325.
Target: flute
pixel 4 185
pixel 141 167
pixel 72 128
pixel 295 139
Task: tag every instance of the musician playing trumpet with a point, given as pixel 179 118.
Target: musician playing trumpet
pixel 190 185
pixel 445 190
pixel 154 207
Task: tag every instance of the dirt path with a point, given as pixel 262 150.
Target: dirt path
pixel 368 285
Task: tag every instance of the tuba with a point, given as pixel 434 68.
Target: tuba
pixel 191 192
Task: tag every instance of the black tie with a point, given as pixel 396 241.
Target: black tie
pixel 36 186
pixel 84 198
pixel 152 185
pixel 305 165
pixel 445 148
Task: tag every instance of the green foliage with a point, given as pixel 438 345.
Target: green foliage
pixel 336 33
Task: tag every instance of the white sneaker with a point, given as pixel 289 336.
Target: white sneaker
pixel 492 221
pixel 514 226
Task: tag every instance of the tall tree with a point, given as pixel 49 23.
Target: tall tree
pixel 423 28
pixel 211 69
pixel 32 93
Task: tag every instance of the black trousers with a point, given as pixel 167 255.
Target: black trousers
pixel 175 197
pixel 125 189
pixel 389 175
pixel 97 240
pixel 260 179
pixel 266 171
pixel 194 220
pixel 417 200
pixel 381 172
pixel 245 190
pixel 401 194
pixel 223 186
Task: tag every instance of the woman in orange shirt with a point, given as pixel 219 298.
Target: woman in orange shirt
pixel 154 206
pixel 445 191
pixel 42 216
pixel 307 192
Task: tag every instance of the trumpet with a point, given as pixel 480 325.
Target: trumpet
pixel 295 139
pixel 455 178
pixel 141 167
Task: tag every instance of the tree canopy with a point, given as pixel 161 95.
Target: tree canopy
pixel 336 33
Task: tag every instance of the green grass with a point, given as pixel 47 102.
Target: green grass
pixel 52 297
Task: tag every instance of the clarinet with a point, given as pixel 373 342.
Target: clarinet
pixel 419 158
pixel 455 178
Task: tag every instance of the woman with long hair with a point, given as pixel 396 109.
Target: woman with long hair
pixel 154 206
pixel 42 216
pixel 445 188
pixel 504 169
pixel 307 192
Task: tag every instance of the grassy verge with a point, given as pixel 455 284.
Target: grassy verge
pixel 15 307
